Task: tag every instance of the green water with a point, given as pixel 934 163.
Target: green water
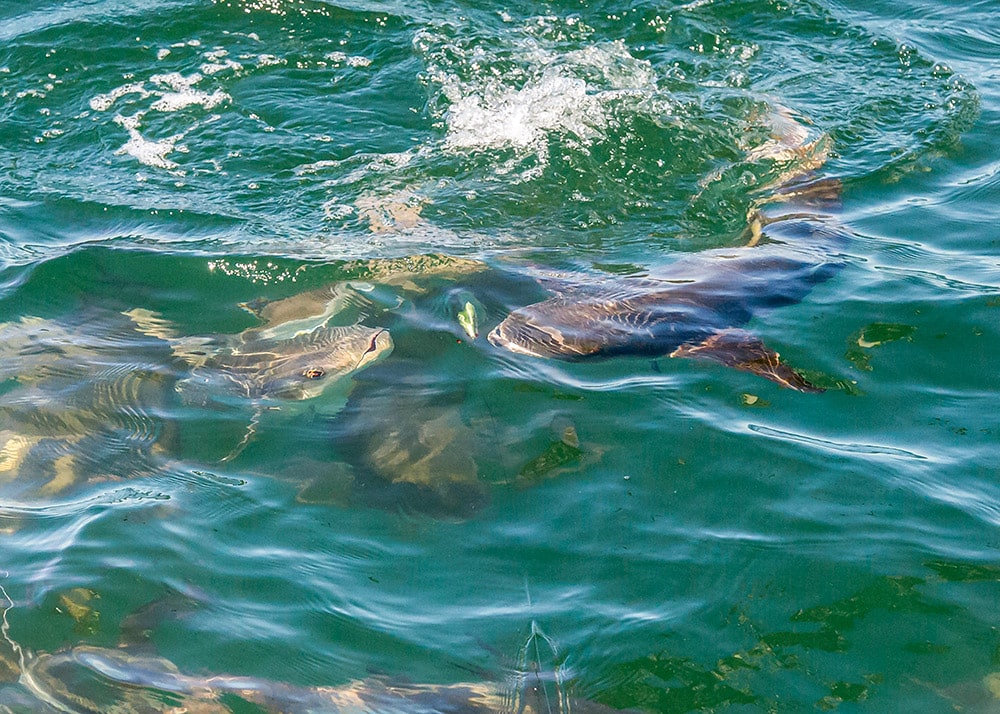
pixel 713 543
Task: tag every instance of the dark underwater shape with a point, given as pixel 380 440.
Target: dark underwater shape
pixel 691 308
pixel 409 445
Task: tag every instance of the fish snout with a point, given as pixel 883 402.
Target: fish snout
pixel 519 334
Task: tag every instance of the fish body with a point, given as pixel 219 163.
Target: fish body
pixel 81 402
pixel 309 341
pixel 293 356
pixel 409 446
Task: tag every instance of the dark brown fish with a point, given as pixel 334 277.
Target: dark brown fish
pixel 693 308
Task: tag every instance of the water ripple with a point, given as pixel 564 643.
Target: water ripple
pixel 690 546
pixel 838 447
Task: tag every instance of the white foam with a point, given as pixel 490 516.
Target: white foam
pixel 103 102
pixel 335 211
pixel 317 166
pixel 342 58
pixel 175 80
pixel 174 101
pixel 148 153
pixel 364 166
pixel 210 68
pixel 170 92
pixel 266 60
pixel 173 91
pixel 218 61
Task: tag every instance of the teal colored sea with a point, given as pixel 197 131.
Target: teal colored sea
pixel 459 357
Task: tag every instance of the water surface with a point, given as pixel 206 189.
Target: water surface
pixel 715 542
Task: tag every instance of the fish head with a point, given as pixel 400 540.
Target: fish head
pixel 543 330
pixel 304 367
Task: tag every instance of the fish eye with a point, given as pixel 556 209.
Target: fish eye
pixel 313 373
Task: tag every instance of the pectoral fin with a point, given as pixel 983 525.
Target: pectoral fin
pixel 735 348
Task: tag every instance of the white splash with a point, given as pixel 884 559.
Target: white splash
pixel 544 94
pixel 497 117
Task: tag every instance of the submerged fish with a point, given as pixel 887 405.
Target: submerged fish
pixel 408 444
pixel 562 451
pixel 693 308
pixel 293 356
pixel 84 395
pixel 696 307
pixel 305 346
pixel 295 368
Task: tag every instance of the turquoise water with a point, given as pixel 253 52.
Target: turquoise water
pixel 713 542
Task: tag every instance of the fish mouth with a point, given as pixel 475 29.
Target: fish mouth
pixel 379 345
